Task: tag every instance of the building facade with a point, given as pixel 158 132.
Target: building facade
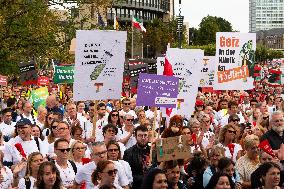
pixel 266 14
pixel 273 39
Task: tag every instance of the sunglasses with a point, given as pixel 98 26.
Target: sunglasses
pixel 112 150
pixel 126 103
pixel 64 150
pixel 114 115
pixel 111 172
pixel 80 148
pixel 129 119
pixel 235 120
pixel 235 132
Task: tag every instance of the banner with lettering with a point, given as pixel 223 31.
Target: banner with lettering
pixel 28 73
pixel 63 74
pixel 99 64
pixel 160 65
pixel 208 71
pixel 235 54
pixel 186 66
pixel 156 90
pixel 43 81
pixel 3 80
pixel 38 97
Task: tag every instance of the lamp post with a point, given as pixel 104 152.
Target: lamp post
pixel 180 25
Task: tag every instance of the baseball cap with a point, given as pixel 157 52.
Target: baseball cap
pixel 23 122
pixel 199 103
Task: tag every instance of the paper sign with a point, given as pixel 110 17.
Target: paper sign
pixel 28 73
pixel 172 148
pixel 235 56
pixel 157 90
pixel 207 71
pixel 160 65
pixel 99 64
pixel 43 81
pixel 38 97
pixel 63 74
pixel 3 80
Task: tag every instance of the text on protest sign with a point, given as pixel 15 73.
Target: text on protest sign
pixel 99 64
pixel 207 71
pixel 38 97
pixel 235 54
pixel 28 73
pixel 3 80
pixel 172 148
pixel 157 90
pixel 64 74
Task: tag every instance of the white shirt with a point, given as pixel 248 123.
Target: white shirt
pixel 130 112
pixel 123 134
pixel 67 175
pixel 127 169
pixel 30 117
pixel 7 130
pixel 99 128
pixel 51 147
pixel 8 178
pixel 228 154
pixel 224 120
pixel 150 115
pixel 22 183
pixel 38 123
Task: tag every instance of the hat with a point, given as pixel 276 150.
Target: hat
pixel 23 122
pixel 199 103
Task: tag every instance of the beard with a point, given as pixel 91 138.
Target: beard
pixel 278 129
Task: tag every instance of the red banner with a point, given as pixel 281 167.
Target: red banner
pixel 42 81
pixel 3 80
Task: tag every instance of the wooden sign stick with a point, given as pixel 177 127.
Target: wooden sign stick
pixel 95 118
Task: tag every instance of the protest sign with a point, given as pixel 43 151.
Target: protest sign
pixel 186 66
pixel 133 70
pixel 43 81
pixel 156 90
pixel 38 97
pixel 3 80
pixel 207 71
pixel 28 73
pixel 235 55
pixel 63 74
pixel 172 148
pixel 99 64
pixel 160 65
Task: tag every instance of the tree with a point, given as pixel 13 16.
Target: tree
pixel 208 27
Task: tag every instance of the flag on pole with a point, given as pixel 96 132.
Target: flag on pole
pixel 136 23
pixel 168 71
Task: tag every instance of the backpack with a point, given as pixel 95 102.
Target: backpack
pixel 74 167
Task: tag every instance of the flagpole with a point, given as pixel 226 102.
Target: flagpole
pixel 142 47
pixel 132 42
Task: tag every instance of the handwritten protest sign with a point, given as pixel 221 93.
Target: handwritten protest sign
pixel 157 90
pixel 42 81
pixel 28 73
pixel 38 97
pixel 186 66
pixel 235 54
pixel 172 148
pixel 3 80
pixel 207 71
pixel 99 64
pixel 63 74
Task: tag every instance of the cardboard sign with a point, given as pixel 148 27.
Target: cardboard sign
pixel 38 97
pixel 207 71
pixel 63 74
pixel 28 73
pixel 43 81
pixel 157 90
pixel 172 148
pixel 3 80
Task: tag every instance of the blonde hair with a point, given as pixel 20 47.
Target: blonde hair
pixel 71 157
pixel 250 140
pixel 29 161
pixel 224 130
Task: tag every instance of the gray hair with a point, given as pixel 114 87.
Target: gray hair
pixel 125 115
pixel 95 144
pixel 192 122
pixel 275 114
pixel 250 140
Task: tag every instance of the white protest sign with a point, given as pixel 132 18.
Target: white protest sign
pixel 207 71
pixel 186 66
pixel 99 64
pixel 160 65
pixel 235 54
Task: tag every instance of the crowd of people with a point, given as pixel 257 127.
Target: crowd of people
pixel 110 144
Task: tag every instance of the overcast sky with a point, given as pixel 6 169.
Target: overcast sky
pixel 234 11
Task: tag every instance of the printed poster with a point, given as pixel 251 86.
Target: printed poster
pixel 38 97
pixel 235 54
pixel 156 90
pixel 186 66
pixel 99 64
pixel 28 73
pixel 3 80
pixel 63 74
pixel 207 71
pixel 160 65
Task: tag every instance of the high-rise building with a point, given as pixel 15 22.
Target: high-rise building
pixel 266 14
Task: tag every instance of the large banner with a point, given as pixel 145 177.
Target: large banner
pixel 156 90
pixel 28 73
pixel 99 64
pixel 207 71
pixel 186 66
pixel 38 97
pixel 235 54
pixel 63 74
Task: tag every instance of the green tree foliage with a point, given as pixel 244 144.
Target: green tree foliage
pixel 263 54
pixel 208 27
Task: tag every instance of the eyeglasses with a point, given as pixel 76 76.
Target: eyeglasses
pixel 111 130
pixel 111 172
pixel 126 103
pixel 80 148
pixel 230 131
pixel 235 120
pixel 100 154
pixel 113 150
pixel 129 119
pixel 64 150
pixel 142 136
pixel 114 115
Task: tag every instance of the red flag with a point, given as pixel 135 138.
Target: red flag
pixel 19 147
pixel 85 160
pixel 265 146
pixel 194 139
pixel 231 148
pixel 168 69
